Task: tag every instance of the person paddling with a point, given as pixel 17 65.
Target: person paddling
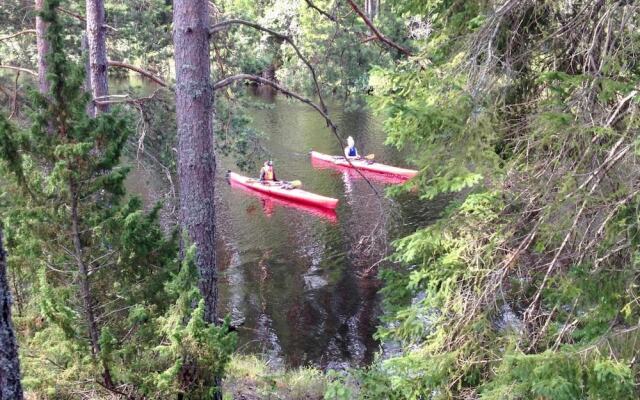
pixel 267 174
pixel 350 151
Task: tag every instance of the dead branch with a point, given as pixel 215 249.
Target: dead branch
pixel 125 98
pixel 222 25
pixel 376 32
pixel 141 71
pixel 321 11
pixel 20 69
pixel 17 34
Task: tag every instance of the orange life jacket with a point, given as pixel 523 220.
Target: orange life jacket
pixel 268 173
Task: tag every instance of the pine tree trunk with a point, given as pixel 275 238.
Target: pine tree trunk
pixel 10 387
pixel 96 36
pixel 85 286
pixel 196 159
pixel 43 49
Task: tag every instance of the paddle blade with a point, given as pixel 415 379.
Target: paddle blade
pixel 370 156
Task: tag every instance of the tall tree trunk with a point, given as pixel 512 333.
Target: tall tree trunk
pixel 43 49
pixel 85 285
pixel 196 159
pixel 96 36
pixel 10 388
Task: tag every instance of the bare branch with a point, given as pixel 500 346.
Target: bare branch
pixel 376 32
pixel 222 25
pixel 83 19
pixel 28 71
pixel 72 14
pixel 17 34
pixel 123 99
pixel 141 71
pixel 321 11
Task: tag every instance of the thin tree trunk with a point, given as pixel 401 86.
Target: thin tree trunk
pixel 85 285
pixel 96 36
pixel 43 49
pixel 196 159
pixel 10 387
pixel 91 111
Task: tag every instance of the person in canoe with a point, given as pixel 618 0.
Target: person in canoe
pixel 350 151
pixel 267 174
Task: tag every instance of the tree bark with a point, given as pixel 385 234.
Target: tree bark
pixel 43 49
pixel 10 387
pixel 196 158
pixel 96 36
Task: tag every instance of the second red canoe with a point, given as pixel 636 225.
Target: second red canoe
pixel 365 165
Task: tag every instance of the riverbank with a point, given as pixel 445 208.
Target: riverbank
pixel 250 377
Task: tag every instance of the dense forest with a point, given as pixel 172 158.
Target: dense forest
pixel 521 116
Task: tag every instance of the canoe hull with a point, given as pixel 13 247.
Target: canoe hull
pixel 294 195
pixel 365 166
pixel 268 202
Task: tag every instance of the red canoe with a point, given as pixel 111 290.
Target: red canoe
pixel 268 203
pixel 296 195
pixel 365 165
pixel 358 174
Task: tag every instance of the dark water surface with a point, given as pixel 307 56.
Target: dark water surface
pixel 296 277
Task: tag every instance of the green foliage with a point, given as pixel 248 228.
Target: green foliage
pixel 526 287
pixel 78 242
pixel 197 352
pixel 560 375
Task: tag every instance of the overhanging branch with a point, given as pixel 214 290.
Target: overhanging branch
pixel 28 71
pixel 376 32
pixel 141 71
pixel 2 38
pixel 224 24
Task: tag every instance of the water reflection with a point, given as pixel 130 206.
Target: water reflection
pixel 296 277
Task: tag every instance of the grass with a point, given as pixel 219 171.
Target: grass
pixel 250 377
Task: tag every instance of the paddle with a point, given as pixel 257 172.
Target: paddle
pixel 367 157
pixel 294 184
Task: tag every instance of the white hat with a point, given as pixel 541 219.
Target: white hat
pixel 350 141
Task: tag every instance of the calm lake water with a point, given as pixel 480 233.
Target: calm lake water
pixel 304 282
